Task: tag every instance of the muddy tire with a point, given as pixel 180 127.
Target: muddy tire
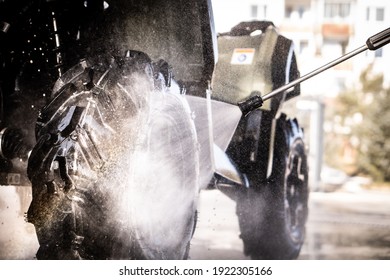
pixel 272 215
pixel 99 176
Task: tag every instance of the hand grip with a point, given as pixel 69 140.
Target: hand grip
pixel 378 40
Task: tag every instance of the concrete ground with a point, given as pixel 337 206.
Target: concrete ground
pixel 349 223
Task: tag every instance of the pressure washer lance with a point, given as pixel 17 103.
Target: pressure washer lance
pixel 373 43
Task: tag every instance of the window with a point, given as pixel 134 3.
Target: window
pixel 380 14
pixel 301 11
pixel 288 11
pixel 254 11
pixel 337 10
pixel 375 13
pixel 258 11
pixel 344 10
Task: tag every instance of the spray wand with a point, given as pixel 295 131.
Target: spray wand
pixel 373 43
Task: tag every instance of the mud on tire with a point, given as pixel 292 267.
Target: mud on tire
pixel 97 183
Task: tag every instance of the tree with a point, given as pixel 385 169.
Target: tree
pixel 366 112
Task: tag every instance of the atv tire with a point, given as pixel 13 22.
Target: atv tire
pixel 99 170
pixel 272 215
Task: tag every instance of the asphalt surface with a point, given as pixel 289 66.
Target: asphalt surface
pixel 344 224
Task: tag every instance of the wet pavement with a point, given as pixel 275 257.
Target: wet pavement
pixel 342 225
pixel 345 224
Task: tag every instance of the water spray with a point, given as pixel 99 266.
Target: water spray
pixel 373 43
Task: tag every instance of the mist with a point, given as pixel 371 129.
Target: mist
pixel 150 177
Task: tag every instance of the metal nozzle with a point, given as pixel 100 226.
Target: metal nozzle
pixel 251 104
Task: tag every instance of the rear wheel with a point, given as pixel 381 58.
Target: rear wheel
pixel 272 215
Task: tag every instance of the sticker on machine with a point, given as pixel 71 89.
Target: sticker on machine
pixel 243 56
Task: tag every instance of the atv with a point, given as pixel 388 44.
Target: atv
pixel 141 106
